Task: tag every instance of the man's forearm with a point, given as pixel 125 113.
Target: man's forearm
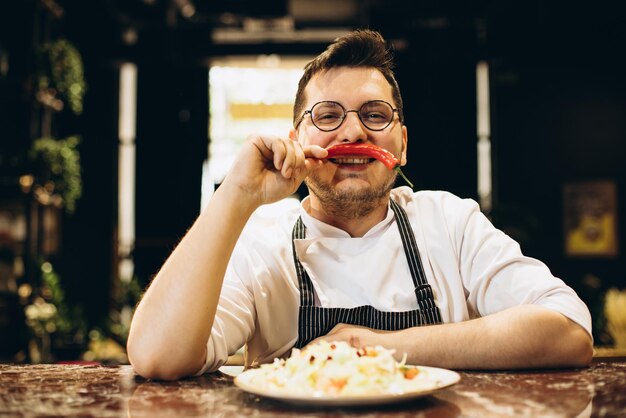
pixel 173 322
pixel 525 336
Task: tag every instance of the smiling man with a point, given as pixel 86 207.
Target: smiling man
pixel 424 273
pixel 351 193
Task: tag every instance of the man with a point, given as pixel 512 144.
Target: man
pixel 424 273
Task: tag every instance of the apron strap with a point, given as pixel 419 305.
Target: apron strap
pixel 423 291
pixel 306 286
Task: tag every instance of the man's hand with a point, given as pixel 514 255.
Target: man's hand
pixel 355 335
pixel 525 336
pixel 269 168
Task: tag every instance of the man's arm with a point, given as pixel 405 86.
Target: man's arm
pixel 172 323
pixel 525 336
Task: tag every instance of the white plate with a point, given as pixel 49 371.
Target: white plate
pixel 440 378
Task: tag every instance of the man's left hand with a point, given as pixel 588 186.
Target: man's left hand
pixel 355 335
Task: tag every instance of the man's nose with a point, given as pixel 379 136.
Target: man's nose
pixel 353 129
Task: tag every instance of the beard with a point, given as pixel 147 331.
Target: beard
pixel 350 204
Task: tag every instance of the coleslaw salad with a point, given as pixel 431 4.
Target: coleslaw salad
pixel 336 369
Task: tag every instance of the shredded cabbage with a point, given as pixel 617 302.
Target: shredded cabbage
pixel 338 369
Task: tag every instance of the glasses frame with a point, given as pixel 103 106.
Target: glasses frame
pixel 345 114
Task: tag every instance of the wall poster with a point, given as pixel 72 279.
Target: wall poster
pixel 590 216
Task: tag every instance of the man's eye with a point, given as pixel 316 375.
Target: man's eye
pixel 373 116
pixel 325 117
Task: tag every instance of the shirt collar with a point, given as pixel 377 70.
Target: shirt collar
pixel 316 228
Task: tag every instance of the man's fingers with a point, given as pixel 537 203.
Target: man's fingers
pixel 354 341
pixel 279 151
pixel 300 160
pixel 314 156
pixel 315 151
pixel 263 144
pixel 289 157
pixel 290 163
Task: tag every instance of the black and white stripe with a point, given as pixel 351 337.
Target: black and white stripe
pixel 314 321
pixel 423 291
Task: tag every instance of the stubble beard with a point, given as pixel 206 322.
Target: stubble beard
pixel 350 204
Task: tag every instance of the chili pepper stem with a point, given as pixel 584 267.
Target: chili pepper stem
pixel 397 168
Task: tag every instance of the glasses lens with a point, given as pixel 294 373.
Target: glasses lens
pixel 376 115
pixel 327 115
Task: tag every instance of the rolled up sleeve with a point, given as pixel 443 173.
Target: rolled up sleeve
pixel 234 321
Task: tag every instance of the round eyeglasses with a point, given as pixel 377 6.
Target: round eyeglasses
pixel 327 116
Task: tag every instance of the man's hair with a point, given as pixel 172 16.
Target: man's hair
pixel 360 48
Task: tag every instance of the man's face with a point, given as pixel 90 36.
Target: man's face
pixel 351 87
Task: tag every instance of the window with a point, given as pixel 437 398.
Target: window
pixel 247 95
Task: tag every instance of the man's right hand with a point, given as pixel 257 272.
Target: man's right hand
pixel 172 323
pixel 269 168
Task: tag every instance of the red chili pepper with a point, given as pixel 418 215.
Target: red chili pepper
pixel 368 150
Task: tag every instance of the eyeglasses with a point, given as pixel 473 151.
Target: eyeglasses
pixel 327 116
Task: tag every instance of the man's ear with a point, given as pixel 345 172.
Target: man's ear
pixel 404 145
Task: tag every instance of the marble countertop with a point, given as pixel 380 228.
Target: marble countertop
pixel 101 391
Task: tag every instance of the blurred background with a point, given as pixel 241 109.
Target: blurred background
pixel 118 118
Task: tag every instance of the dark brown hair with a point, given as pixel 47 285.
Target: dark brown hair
pixel 360 48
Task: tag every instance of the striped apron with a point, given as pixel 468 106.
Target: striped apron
pixel 315 321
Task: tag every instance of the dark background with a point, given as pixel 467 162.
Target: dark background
pixel 558 96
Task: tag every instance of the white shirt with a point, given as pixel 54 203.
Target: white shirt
pixel 474 270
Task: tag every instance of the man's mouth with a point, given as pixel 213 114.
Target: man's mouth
pixel 351 160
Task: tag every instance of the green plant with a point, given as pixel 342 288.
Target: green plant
pixel 107 344
pixel 62 162
pixel 54 324
pixel 63 72
pixel 125 297
pixel 68 320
